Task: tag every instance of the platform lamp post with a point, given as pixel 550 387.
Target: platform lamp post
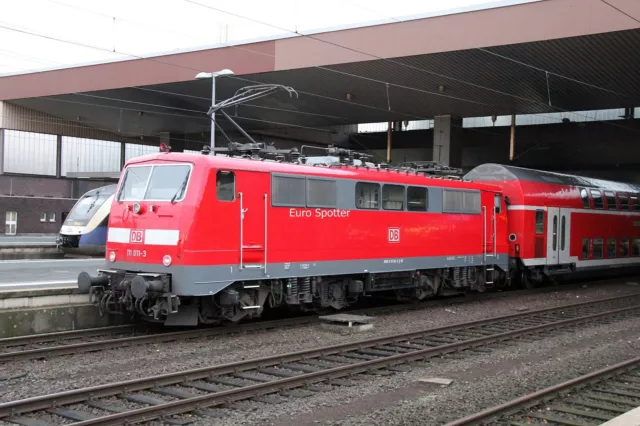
pixel 212 76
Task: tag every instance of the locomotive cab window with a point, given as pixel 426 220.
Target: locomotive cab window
pixel 598 202
pixel 611 200
pixel 367 195
pixel 393 197
pixel 155 183
pixel 225 185
pixel 585 198
pixel 417 199
pixel 497 203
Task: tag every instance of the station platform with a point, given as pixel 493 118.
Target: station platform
pixel 29 247
pixel 41 296
pixel 46 310
pixel 630 418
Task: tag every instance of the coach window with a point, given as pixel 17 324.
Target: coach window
pixel 611 248
pixel 635 247
pixel 611 200
pixel 563 227
pixel 597 248
pixel 624 202
pixel 585 198
pixel 585 248
pixel 225 185
pixel 624 247
pixel 598 202
pixel 417 199
pixel 367 195
pixel 539 222
pixel 393 197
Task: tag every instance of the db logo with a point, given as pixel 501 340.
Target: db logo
pixel 394 235
pixel 137 236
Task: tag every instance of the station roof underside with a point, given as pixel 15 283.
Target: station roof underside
pixel 538 57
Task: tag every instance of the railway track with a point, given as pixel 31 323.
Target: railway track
pixel 43 346
pixel 592 399
pixel 178 397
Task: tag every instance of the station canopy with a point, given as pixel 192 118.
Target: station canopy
pixel 506 58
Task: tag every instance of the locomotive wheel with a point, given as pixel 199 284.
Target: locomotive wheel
pixel 526 280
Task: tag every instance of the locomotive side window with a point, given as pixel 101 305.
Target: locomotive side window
pixel 460 201
pixel 597 248
pixel 585 248
pixel 225 185
pixel 624 202
pixel 367 195
pixel 635 202
pixel 635 247
pixel 598 202
pixel 417 199
pixel 612 248
pixel 539 222
pixel 321 193
pixel 624 247
pixel 393 197
pixel 288 191
pixel 611 200
pixel 585 198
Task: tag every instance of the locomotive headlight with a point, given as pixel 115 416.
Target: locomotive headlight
pixel 112 256
pixel 166 260
pixel 136 208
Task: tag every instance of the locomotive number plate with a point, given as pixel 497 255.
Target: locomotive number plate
pixel 394 235
pixel 136 253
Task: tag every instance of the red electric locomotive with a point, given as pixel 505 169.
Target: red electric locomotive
pixel 562 224
pixel 203 238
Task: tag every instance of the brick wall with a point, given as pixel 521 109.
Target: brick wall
pixel 29 210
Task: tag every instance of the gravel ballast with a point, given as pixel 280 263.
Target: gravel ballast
pixel 89 369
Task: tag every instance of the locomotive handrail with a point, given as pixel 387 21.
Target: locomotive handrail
pixel 265 233
pixel 241 228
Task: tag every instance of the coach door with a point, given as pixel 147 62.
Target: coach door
pixel 564 231
pixel 553 219
pixel 252 192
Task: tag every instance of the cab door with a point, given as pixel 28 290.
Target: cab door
pixel 252 201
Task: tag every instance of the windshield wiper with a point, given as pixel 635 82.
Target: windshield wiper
pixel 182 187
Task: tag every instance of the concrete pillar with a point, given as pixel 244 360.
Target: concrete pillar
pixel 123 152
pixel 1 151
pixel 59 156
pixel 447 140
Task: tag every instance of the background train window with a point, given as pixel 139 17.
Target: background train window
pixel 321 193
pixel 611 200
pixel 635 202
pixel 585 248
pixel 417 199
pixel 555 232
pixel 624 201
pixel 598 202
pixel 367 195
pixel 288 191
pixel 539 222
pixel 585 198
pixel 624 247
pixel 225 186
pixel 612 244
pixel 635 247
pixel 393 197
pixel 598 248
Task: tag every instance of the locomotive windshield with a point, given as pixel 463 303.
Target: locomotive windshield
pixel 155 183
pixel 87 206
